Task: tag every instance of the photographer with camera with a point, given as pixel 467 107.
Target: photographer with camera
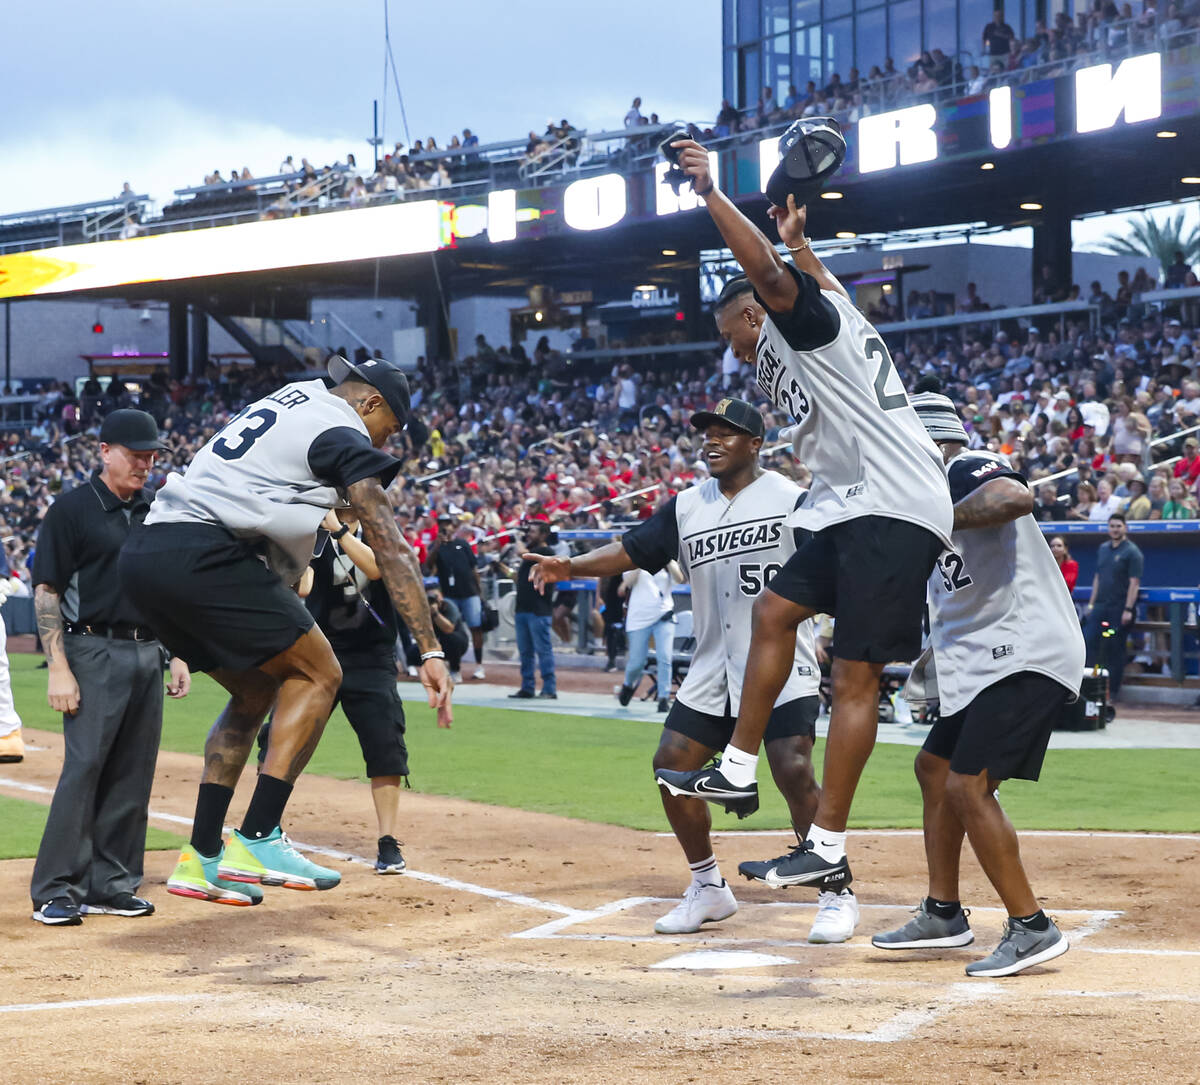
pixel 451 632
pixel 533 617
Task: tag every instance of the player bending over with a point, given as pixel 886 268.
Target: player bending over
pixel 212 570
pixel 729 535
pixel 1008 655
pixel 879 508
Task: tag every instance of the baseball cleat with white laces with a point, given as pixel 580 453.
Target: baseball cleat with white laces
pixel 701 904
pixel 837 916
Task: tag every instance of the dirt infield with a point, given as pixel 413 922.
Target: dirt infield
pixel 519 947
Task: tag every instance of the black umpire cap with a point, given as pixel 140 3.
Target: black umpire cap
pixel 733 412
pixel 135 430
pixel 387 379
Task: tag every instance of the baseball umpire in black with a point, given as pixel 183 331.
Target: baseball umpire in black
pixel 106 677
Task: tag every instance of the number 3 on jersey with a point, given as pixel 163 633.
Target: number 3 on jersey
pixel 753 578
pixel 255 424
pixel 954 575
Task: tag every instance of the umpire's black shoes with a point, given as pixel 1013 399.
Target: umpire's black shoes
pixel 60 912
pixel 709 784
pixel 521 695
pixel 803 866
pixel 123 904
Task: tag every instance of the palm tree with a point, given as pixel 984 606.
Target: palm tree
pixel 1159 242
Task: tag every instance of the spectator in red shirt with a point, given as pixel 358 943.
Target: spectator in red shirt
pixel 1187 467
pixel 1068 567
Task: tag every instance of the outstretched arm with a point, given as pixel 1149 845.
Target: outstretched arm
pixel 997 502
pixel 404 582
pixel 607 561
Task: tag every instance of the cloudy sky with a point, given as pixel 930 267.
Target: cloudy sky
pixel 161 93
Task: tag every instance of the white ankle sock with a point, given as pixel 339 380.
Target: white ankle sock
pixel 706 872
pixel 738 767
pixel 828 845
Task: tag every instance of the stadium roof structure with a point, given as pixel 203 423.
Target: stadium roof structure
pixel 1035 154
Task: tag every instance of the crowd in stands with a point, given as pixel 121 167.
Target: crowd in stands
pixel 507 435
pixel 1052 50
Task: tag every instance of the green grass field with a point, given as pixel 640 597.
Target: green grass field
pixel 599 769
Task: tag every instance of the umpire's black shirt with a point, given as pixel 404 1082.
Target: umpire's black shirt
pixel 77 549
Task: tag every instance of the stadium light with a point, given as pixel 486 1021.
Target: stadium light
pixel 1102 95
pixel 1190 180
pixel 832 195
pixel 1031 206
pixel 1165 134
pixel 669 252
pixel 845 235
pixel 987 165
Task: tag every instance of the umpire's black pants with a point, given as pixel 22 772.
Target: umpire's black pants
pixel 95 839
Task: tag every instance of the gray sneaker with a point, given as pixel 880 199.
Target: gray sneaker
pixel 927 931
pixel 1021 948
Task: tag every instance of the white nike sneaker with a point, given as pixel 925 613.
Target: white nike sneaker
pixel 480 673
pixel 701 904
pixel 837 916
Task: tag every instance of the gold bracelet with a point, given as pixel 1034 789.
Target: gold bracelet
pixel 800 248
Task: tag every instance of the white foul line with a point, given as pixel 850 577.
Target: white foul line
pixel 1114 834
pixel 90 1003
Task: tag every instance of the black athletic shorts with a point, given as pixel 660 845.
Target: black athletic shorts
pixel 371 701
pixel 209 597
pixel 870 573
pixel 798 717
pixel 1005 729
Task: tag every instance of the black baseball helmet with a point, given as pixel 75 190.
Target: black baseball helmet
pixel 811 151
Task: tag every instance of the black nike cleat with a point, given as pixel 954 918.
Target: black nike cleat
pixel 803 866
pixel 709 784
pixel 756 869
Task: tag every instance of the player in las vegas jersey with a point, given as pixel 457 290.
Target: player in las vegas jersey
pixel 730 536
pixel 879 510
pixel 212 569
pixel 1008 656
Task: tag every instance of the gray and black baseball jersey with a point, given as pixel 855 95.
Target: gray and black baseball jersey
pixel 998 604
pixel 854 429
pixel 728 550
pixel 274 470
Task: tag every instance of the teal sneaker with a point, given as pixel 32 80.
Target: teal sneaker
pixel 197 876
pixel 273 861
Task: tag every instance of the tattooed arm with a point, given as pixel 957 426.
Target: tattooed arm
pixel 63 691
pixel 405 584
pixel 997 502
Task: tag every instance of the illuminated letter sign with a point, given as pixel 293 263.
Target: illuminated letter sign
pixel 1000 116
pixel 502 215
pixel 595 203
pixel 768 159
pixel 906 134
pixel 666 202
pixel 1102 94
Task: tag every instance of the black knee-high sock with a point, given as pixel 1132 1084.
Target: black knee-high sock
pixel 266 807
pixel 212 804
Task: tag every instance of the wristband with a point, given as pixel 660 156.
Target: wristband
pixel 705 192
pixel 340 533
pixel 438 654
pixel 800 248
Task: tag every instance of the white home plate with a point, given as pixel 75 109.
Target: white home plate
pixel 723 958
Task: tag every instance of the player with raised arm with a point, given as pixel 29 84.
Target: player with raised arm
pixel 879 508
pixel 213 570
pixel 1008 655
pixel 729 535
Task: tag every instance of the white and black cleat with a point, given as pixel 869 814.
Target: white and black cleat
pixel 710 784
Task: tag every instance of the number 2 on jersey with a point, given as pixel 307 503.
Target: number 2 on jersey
pixel 263 419
pixel 876 351
pixel 954 574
